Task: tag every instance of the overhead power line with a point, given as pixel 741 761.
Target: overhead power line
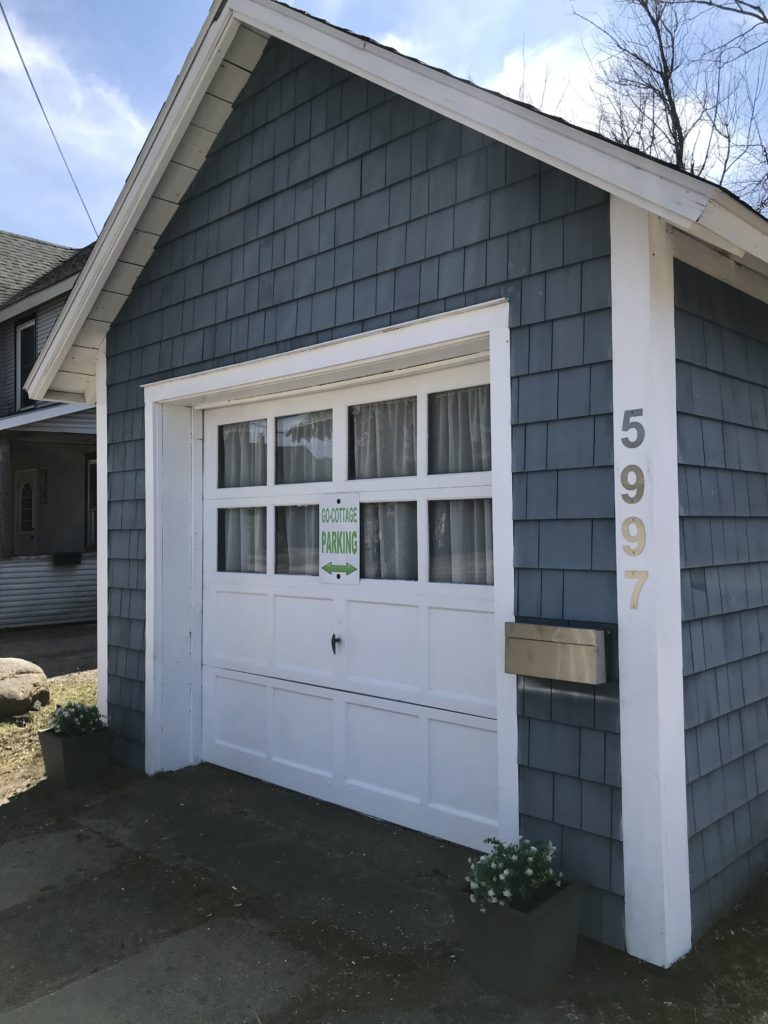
pixel 47 121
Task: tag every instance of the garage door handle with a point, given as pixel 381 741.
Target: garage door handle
pixel 335 640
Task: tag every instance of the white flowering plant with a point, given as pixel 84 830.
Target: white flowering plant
pixel 77 719
pixel 518 875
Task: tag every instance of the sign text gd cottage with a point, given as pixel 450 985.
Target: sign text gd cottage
pixel 339 541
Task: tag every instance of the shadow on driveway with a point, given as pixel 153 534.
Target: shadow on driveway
pixel 205 896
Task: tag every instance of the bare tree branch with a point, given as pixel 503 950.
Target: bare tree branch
pixel 675 84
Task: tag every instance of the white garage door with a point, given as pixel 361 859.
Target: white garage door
pixel 354 662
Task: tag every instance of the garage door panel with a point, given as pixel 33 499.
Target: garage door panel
pixel 235 712
pixel 302 730
pixel 463 770
pixel 432 771
pixel 385 751
pixel 459 666
pixel 383 646
pixel 303 628
pixel 237 629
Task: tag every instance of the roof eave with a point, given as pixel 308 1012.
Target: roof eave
pixel 691 205
pixel 15 309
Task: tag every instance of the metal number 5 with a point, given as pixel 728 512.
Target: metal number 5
pixel 632 422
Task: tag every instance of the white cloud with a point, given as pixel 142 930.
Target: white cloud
pixel 402 45
pixel 97 126
pixel 554 76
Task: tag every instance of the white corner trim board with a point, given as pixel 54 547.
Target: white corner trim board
pixel 654 810
pixel 175 507
pixel 102 535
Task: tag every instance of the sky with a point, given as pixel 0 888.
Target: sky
pixel 103 68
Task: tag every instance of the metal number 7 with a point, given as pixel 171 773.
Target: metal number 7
pixel 640 576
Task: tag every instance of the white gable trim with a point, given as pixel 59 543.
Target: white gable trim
pixel 210 81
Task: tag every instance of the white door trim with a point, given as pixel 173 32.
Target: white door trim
pixel 174 507
pixel 654 810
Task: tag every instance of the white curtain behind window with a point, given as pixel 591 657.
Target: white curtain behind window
pixel 389 549
pixel 296 535
pixel 304 447
pixel 242 540
pixel 460 430
pixel 460 541
pixel 243 454
pixel 382 439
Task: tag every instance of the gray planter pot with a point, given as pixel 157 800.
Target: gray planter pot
pixel 74 760
pixel 523 954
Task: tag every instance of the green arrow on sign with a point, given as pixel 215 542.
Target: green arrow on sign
pixel 346 569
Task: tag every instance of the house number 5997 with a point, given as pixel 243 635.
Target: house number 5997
pixel 633 489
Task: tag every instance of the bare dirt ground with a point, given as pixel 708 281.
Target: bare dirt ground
pixel 21 764
pixel 67 654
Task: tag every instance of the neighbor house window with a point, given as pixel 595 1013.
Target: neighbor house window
pixel 25 360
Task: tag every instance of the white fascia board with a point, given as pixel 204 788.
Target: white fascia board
pixel 201 65
pixel 51 412
pixel 30 302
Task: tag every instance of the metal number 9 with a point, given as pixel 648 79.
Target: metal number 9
pixel 632 480
pixel 633 532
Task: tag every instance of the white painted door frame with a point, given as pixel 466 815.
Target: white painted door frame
pixel 174 509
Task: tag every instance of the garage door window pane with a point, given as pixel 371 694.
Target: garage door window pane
pixel 243 454
pixel 296 540
pixel 389 541
pixel 460 430
pixel 460 541
pixel 382 439
pixel 304 444
pixel 242 540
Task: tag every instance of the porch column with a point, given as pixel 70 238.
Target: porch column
pixel 654 814
pixel 6 500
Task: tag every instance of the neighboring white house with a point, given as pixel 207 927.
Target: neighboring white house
pixel 47 450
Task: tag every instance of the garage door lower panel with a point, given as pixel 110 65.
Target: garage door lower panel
pixel 427 769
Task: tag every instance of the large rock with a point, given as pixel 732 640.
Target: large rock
pixel 21 684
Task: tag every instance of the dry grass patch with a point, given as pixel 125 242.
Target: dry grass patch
pixel 21 764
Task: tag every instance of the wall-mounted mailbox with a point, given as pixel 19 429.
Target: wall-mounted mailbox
pixel 555 652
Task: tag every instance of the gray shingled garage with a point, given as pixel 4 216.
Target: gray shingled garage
pixel 338 276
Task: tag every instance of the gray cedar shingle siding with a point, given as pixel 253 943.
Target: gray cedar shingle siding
pixel 722 369
pixel 328 207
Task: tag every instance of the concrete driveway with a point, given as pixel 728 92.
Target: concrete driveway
pixel 204 896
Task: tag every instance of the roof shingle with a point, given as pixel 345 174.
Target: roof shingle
pixel 24 261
